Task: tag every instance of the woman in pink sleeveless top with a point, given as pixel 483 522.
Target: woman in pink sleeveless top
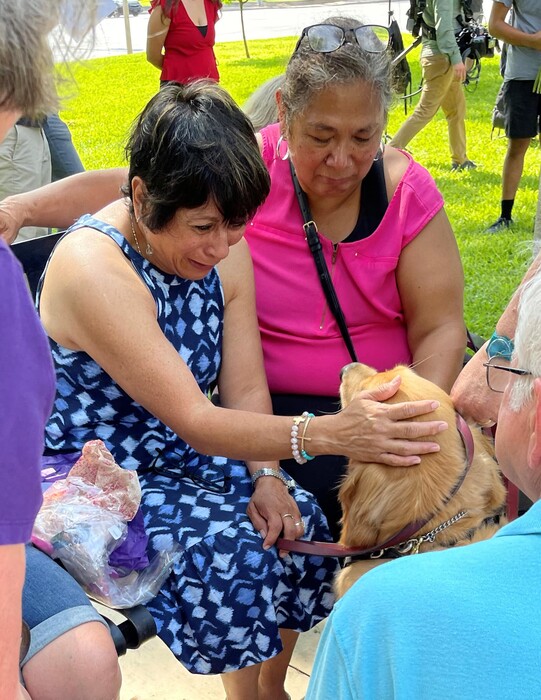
pixel 386 239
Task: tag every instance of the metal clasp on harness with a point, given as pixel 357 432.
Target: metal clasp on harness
pixel 410 547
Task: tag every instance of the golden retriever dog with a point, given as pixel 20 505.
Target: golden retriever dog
pixel 378 501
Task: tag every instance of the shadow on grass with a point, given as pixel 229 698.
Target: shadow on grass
pixel 259 63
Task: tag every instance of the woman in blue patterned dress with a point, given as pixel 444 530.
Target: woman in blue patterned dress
pixel 146 305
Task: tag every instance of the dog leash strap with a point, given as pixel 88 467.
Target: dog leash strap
pixel 333 549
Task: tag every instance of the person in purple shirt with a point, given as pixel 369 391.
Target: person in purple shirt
pixel 26 393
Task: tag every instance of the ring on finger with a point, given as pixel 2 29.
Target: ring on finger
pixel 288 515
pixel 300 523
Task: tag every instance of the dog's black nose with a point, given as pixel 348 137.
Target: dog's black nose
pixel 346 368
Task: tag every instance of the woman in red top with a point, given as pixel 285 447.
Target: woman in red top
pixel 185 28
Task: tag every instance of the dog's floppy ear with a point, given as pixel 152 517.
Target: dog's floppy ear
pixel 353 377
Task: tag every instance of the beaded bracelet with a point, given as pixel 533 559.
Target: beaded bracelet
pixel 297 454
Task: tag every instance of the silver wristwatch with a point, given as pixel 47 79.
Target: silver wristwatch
pixel 267 471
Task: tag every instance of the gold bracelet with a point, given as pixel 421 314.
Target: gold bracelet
pixel 304 453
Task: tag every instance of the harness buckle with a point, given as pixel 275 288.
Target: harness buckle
pixel 378 554
pixel 415 544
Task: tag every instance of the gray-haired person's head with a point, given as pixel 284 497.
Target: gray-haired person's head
pixel 261 106
pixel 27 82
pixel 310 72
pixel 527 342
pixel 27 72
pixel 192 145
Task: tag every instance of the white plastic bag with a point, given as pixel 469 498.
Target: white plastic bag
pixel 81 523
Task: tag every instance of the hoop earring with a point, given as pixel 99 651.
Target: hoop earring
pixel 281 140
pixel 381 151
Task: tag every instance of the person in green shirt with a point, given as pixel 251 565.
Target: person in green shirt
pixel 443 74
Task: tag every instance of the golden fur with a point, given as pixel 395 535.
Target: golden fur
pixel 378 501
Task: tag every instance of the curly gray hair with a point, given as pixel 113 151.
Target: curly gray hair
pixel 309 72
pixel 261 106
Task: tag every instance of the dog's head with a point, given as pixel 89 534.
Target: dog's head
pixel 357 377
pixel 378 500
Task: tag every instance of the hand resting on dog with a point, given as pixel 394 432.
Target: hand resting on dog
pixel 452 497
pixel 388 433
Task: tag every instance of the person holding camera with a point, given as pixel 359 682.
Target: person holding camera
pixel 443 74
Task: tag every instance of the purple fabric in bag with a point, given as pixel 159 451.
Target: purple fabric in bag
pixel 131 554
pixel 56 467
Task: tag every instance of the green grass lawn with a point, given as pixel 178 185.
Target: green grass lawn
pixel 110 92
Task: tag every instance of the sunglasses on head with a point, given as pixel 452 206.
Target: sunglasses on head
pixel 325 38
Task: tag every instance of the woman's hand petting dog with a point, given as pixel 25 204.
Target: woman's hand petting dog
pixel 385 433
pixel 451 499
pixel 274 512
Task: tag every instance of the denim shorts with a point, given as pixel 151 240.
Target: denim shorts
pixel 53 602
pixel 522 109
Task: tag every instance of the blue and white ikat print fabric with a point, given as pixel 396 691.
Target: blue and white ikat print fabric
pixel 226 599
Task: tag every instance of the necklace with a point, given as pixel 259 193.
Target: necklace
pixel 135 237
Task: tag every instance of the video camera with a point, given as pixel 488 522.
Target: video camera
pixel 474 41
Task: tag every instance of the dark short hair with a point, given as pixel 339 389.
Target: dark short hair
pixel 190 145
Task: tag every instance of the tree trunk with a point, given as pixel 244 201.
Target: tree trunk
pixel 241 4
pixel 127 27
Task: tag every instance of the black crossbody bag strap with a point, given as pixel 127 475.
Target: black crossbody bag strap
pixel 316 249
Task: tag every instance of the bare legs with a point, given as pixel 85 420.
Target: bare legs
pixel 273 671
pixel 512 172
pixel 513 165
pixel 263 681
pixel 81 664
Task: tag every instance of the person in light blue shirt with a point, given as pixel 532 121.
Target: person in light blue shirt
pixel 462 623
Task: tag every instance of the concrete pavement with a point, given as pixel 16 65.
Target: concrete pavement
pixel 286 19
pixel 152 672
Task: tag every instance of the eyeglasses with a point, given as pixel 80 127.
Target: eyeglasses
pixel 208 476
pixel 325 38
pixel 497 380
